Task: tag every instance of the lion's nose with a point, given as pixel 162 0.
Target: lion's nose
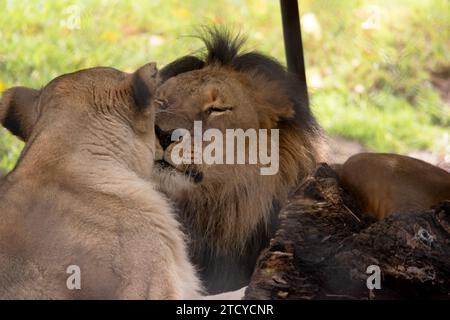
pixel 165 137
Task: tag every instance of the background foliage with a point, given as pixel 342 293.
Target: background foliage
pixel 369 62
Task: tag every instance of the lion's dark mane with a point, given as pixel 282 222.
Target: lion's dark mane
pixel 224 49
pixel 224 271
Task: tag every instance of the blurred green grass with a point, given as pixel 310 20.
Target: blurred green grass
pixel 368 62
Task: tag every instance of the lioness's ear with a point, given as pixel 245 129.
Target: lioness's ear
pixel 143 84
pixel 18 111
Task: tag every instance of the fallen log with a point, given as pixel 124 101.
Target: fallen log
pixel 325 248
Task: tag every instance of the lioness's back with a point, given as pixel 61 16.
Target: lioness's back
pixel 42 234
pixel 80 218
pixel 55 227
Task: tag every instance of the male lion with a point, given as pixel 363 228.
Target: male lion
pixel 230 211
pixel 80 193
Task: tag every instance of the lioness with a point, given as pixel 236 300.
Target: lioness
pixel 80 193
pixel 385 184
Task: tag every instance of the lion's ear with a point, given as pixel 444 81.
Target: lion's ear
pixel 143 84
pixel 18 111
pixel 181 65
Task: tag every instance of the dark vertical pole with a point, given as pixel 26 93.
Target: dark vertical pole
pixel 293 43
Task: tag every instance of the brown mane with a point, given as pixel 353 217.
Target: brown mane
pixel 231 215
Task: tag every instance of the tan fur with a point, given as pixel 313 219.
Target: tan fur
pixel 389 183
pixel 227 207
pixel 227 229
pixel 80 194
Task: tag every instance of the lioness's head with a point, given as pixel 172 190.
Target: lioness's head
pixel 226 205
pixel 99 112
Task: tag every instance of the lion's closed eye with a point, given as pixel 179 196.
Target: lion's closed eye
pixel 215 110
pixel 162 103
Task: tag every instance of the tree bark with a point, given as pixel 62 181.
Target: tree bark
pixel 324 246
